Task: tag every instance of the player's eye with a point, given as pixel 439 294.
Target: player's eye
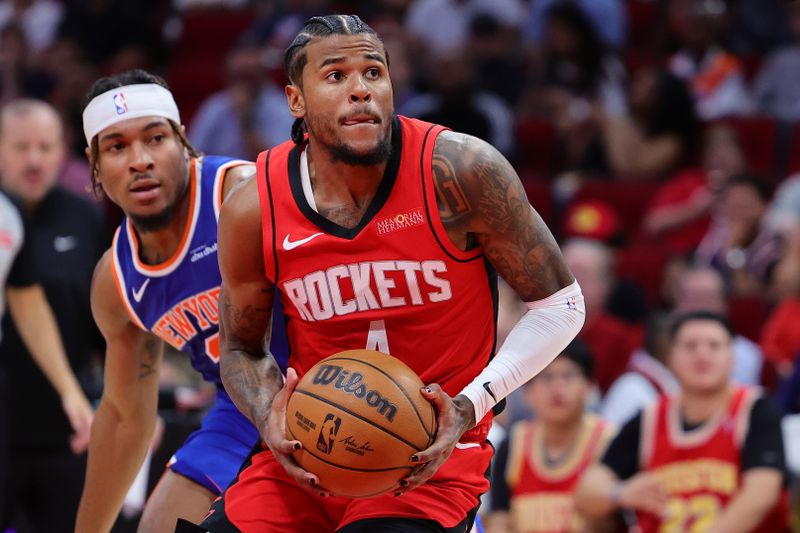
pixel 157 138
pixel 334 76
pixel 116 147
pixel 373 73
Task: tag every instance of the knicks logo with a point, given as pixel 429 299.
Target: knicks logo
pixel 327 433
pixel 353 384
pixel 119 103
pixel 400 221
pixel 345 289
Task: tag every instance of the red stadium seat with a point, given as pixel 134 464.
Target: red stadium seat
pixel 628 198
pixel 540 196
pixel 751 64
pixel 536 143
pixel 642 18
pixel 191 87
pixel 794 156
pixel 211 31
pixel 197 65
pixel 644 265
pixel 639 59
pixel 748 315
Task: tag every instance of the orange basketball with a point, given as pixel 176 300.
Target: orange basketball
pixel 360 416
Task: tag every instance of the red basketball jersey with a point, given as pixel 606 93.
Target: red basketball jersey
pixel 700 469
pixel 541 495
pixel 394 283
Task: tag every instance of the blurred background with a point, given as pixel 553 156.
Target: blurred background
pixel 658 139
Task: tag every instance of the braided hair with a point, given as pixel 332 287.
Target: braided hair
pixel 295 59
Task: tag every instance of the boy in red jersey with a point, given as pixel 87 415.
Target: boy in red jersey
pixel 539 465
pixel 709 459
pixel 380 232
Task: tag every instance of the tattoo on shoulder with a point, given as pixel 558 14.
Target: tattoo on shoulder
pixel 149 363
pixel 450 197
pixel 492 203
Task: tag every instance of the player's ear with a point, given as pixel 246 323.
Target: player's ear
pixel 294 97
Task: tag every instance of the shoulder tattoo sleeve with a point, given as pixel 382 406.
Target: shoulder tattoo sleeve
pixel 479 193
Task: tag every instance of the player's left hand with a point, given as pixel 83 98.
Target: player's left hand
pixel 80 415
pixel 454 417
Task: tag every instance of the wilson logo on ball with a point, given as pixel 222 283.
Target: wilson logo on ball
pixel 327 433
pixel 353 384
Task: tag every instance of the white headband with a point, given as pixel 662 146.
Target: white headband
pixel 123 103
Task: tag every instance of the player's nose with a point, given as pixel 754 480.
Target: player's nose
pixel 141 160
pixel 359 91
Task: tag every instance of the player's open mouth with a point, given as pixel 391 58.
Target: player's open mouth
pixel 146 189
pixel 360 119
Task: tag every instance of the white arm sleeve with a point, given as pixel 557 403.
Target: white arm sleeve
pixel 539 336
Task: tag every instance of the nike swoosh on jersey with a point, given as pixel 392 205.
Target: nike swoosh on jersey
pixel 65 243
pixel 291 245
pixel 137 295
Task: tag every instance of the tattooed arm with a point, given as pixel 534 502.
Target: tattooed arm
pixel 126 417
pixel 250 374
pixel 482 203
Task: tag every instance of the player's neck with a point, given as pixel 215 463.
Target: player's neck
pixel 337 182
pixel 700 406
pixel 157 246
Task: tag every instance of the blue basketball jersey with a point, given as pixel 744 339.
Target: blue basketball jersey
pixel 177 300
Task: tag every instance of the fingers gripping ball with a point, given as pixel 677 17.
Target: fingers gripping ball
pixel 360 416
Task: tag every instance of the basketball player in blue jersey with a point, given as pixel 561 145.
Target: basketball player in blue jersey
pixel 159 283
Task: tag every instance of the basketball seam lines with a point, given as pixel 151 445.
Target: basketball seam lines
pixel 348 411
pixel 400 388
pixel 343 467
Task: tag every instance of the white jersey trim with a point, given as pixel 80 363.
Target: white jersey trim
pixel 219 182
pixel 119 279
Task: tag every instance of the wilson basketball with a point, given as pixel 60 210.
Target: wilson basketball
pixel 360 416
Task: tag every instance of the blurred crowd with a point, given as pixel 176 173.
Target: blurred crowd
pixel 657 138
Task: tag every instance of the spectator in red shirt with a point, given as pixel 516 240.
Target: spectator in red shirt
pixel 780 338
pixel 679 214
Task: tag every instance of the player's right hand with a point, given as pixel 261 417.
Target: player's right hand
pixel 275 437
pixel 643 492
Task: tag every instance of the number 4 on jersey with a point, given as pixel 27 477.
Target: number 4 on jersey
pixel 376 338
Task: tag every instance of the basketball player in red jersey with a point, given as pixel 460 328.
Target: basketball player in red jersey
pixel 380 232
pixel 538 466
pixel 709 459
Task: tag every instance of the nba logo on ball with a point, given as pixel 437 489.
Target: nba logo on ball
pixel 327 434
pixel 120 104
